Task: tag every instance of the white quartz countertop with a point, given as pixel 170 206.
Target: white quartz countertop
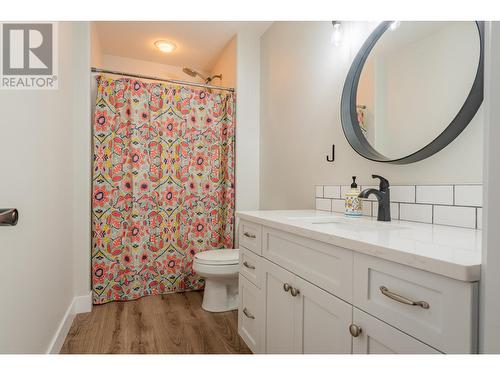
pixel 448 251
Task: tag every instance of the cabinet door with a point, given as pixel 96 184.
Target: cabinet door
pixel 250 314
pixel 281 309
pixel 323 321
pixel 377 337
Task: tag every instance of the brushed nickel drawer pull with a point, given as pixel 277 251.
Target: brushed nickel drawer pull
pixel 249 235
pixel 247 265
pixel 294 292
pixel 248 314
pixel 286 287
pixel 396 297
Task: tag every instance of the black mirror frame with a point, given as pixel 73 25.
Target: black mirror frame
pixel 349 118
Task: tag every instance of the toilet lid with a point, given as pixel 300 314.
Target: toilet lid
pixel 223 256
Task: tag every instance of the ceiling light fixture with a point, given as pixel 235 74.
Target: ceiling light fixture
pixel 165 46
pixel 336 37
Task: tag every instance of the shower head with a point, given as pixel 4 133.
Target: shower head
pixel 191 72
pixel 210 79
pixel 194 73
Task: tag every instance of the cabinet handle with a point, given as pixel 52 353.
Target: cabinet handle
pixel 249 235
pixel 294 292
pixel 396 297
pixel 248 314
pixel 286 287
pixel 355 330
pixel 245 263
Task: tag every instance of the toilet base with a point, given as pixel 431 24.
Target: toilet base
pixel 221 294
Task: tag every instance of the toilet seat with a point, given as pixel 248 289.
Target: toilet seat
pixel 218 257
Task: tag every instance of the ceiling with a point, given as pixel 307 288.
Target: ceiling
pixel 199 44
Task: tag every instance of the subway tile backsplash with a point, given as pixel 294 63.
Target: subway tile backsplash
pixel 338 205
pixel 455 205
pixel 416 212
pixel 469 195
pixel 319 191
pixel 323 204
pixel 331 191
pixel 455 215
pixel 442 194
pixel 405 194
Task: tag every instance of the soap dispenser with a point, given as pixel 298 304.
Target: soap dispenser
pixel 353 204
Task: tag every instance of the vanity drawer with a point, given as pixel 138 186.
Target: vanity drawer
pixel 250 315
pixel 325 265
pixel 250 266
pixel 445 313
pixel 250 236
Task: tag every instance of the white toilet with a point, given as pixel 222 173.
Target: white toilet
pixel 219 268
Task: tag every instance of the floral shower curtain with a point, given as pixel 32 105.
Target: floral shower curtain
pixel 163 185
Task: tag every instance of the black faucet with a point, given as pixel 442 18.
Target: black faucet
pixel 383 198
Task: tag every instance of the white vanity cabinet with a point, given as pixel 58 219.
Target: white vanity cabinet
pixel 301 295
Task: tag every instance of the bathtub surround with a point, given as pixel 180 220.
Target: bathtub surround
pixel 163 185
pixel 454 205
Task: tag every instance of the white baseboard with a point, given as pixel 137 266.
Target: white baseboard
pixel 83 304
pixel 80 304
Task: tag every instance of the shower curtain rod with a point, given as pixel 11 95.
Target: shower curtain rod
pixel 97 70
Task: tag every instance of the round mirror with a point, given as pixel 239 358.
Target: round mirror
pixel 412 89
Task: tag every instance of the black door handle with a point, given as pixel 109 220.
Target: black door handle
pixel 8 216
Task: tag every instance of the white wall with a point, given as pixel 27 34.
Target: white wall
pixel 490 276
pixel 38 129
pixel 226 65
pixel 248 120
pixel 301 85
pixel 95 46
pixel 82 160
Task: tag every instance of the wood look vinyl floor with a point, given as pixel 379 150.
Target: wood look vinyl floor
pixel 167 324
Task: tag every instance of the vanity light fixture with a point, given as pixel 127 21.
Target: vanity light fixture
pixel 336 37
pixel 395 25
pixel 165 46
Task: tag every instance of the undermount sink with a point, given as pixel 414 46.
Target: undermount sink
pixel 359 224
pixel 328 220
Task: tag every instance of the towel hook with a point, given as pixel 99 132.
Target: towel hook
pixel 332 158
